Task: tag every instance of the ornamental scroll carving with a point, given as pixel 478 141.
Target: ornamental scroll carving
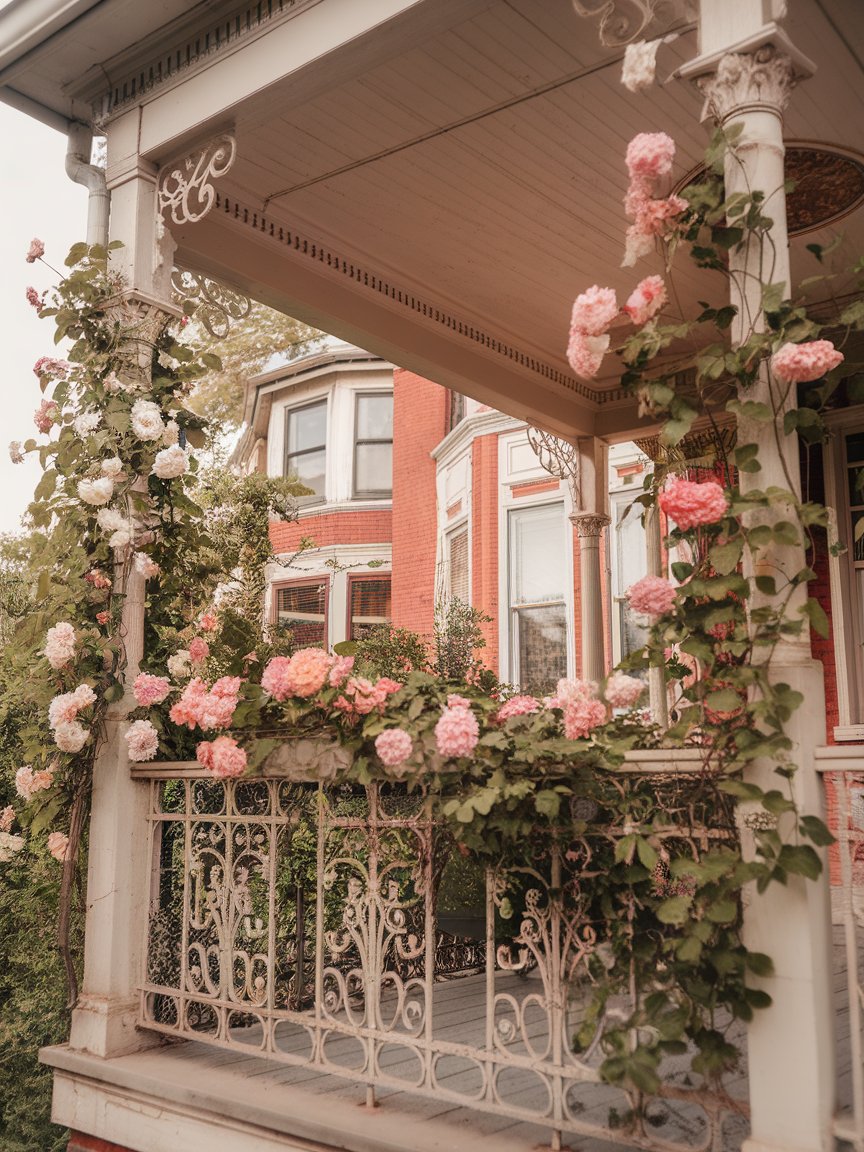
pixel 184 188
pixel 216 305
pixel 622 21
pixel 765 77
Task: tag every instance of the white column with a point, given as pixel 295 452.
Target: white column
pixel 103 1022
pixel 590 521
pixel 791 1047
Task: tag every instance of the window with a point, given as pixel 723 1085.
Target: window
pixel 368 604
pixel 537 581
pixel 301 609
pixel 458 585
pixel 373 444
pixel 630 565
pixel 306 448
pixel 852 480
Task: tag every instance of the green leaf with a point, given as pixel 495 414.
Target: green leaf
pixel 815 613
pixel 675 910
pixel 647 854
pixel 723 700
pixel 759 964
pixel 800 858
pixel 725 557
pixel 746 458
pixel 547 802
pixel 815 830
pixel 722 912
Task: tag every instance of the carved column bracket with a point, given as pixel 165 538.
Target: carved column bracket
pixel 589 524
pixel 621 21
pixel 216 305
pixel 185 189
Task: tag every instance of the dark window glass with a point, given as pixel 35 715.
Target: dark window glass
pixel 301 609
pixel 369 605
pixel 459 584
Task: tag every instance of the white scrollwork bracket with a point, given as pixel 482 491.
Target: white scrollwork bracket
pixel 216 305
pixel 184 188
pixel 620 20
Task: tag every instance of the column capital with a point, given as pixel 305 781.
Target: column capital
pixel 589 524
pixel 757 73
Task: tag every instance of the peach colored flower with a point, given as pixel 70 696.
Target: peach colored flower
pixel 103 617
pixel 223 757
pixel 187 709
pixel 581 716
pixel 457 732
pixel 622 691
pixel 646 299
pixel 302 674
pixel 149 690
pixel 594 310
pixel 58 846
pixel 28 782
pixel 340 671
pixel 199 650
pixel 800 363
pixel 70 736
pixel 652 596
pixel 691 503
pixel 394 746
pixel 649 155
pixel 208 622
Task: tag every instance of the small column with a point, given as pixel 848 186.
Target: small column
pixel 589 528
pixel 790 1044
pixel 104 1019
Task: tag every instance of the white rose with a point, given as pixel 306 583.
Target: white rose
pixel 180 664
pixel 172 433
pixel 147 420
pixel 9 845
pixel 70 737
pixel 96 491
pixel 86 423
pixel 170 462
pixel 112 467
pixel 145 566
pixel 111 383
pixel 121 538
pixel 110 520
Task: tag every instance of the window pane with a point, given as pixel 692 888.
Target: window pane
pixel 309 469
pixel 459 588
pixel 541 637
pixel 855 448
pixel 375 417
pixel 538 555
pixel 856 485
pixel 301 609
pixel 307 427
pixel 373 471
pixel 370 605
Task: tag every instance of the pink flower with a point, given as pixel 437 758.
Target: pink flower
pixel 800 363
pixel 454 700
pixel 208 622
pixel 623 691
pixel 457 732
pixel 144 566
pixel 103 617
pixel 149 690
pixel 585 353
pixel 581 716
pixel 594 310
pixel 302 674
pixel 387 686
pixel 98 579
pixel 646 300
pixel 51 367
pixel 58 846
pixel 394 746
pixel 340 670
pixel 223 757
pixel 690 503
pixel 517 706
pixel 28 782
pixel 44 415
pixel 636 245
pixel 187 708
pixel 63 709
pixel 216 708
pixel 252 658
pixel 199 650
pixel 70 737
pixel 649 155
pixel 35 299
pixel 35 251
pixel 143 741
pixel 7 818
pixel 652 596
pixel 59 645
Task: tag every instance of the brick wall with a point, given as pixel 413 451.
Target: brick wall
pixel 370 526
pixel 420 418
pixel 484 545
pixel 79 1142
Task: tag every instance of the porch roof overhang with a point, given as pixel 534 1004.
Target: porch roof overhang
pixel 433 180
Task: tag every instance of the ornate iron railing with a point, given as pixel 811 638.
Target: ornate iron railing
pixel 298 921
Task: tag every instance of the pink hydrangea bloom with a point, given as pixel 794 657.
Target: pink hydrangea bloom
pixel 199 650
pixel 208 622
pixel 652 596
pixel 394 746
pixel 308 669
pixel 70 736
pixel 637 243
pixel 44 415
pixel 650 155
pixel 457 732
pixel 28 782
pixel 454 700
pixel 143 741
pixel 149 690
pixel 216 708
pixel 35 299
pixel 223 757
pixel 585 353
pixel 569 691
pixel 581 716
pixel 691 503
pixel 646 299
pixel 7 818
pixel 622 691
pixel 59 644
pixel 58 845
pixel 517 706
pixel 340 670
pixel 800 363
pixel 35 251
pixel 187 709
pixel 360 697
pixel 594 310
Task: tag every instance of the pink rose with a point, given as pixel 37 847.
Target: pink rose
pixel 58 846
pixel 36 251
pixel 7 818
pixel 35 299
pixel 585 353
pixel 394 746
pixel 594 310
pixel 208 622
pixel 646 300
pixel 652 596
pixel 650 155
pixel 623 691
pixel 187 709
pixel 199 650
pixel 457 732
pixel 149 690
pixel 800 363
pixel 143 741
pixel 691 504
pixel 59 644
pixel 51 367
pixel 44 415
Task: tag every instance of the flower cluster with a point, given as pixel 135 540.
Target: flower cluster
pixel 691 503
pixel 142 740
pixel 801 363
pixel 649 157
pixel 60 645
pixel 593 312
pixel 394 746
pixel 517 706
pixel 28 782
pixel 651 596
pixel 457 731
pixel 223 757
pixel 206 708
pixel 582 711
pixel 622 691
pixel 360 696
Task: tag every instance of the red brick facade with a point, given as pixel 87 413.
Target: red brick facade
pixel 484 541
pixel 369 526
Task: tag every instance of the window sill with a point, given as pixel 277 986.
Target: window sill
pixel 849 733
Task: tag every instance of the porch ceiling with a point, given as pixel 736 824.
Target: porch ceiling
pixel 439 188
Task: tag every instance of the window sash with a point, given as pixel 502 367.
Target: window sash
pixel 302 609
pixel 366 466
pixel 360 618
pixel 537 593
pixel 298 460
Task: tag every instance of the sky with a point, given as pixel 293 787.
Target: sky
pixel 37 198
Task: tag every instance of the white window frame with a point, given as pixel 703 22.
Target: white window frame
pixel 288 410
pixel 377 494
